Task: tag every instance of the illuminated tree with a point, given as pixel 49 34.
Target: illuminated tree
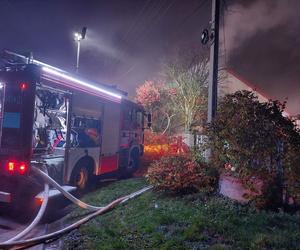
pixel 180 99
pixel 154 98
pixel 148 95
pixel 187 81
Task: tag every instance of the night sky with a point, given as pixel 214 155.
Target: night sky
pixel 128 40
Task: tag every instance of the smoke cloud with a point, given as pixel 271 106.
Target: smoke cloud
pixel 245 21
pixel 99 45
pixel 262 40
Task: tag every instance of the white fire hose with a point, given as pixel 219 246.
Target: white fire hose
pixel 16 243
pixel 38 217
pixel 69 196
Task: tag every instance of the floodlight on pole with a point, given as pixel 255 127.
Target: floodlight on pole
pixel 78 37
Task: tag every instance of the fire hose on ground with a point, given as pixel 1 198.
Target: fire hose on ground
pixel 38 217
pixel 16 243
pixel 69 196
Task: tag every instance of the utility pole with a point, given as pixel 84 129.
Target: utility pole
pixel 213 65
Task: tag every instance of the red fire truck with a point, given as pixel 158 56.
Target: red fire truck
pixel 77 128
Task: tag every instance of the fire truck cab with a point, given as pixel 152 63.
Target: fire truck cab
pixel 76 128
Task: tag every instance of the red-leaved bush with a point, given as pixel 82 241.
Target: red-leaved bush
pixel 180 174
pixel 152 138
pixel 148 94
pixel 157 145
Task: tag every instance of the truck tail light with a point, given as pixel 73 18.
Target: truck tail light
pixel 23 85
pixel 23 167
pixel 14 167
pixel 11 166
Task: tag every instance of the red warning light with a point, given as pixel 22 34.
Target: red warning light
pixel 23 85
pixel 11 165
pixel 16 167
pixel 22 168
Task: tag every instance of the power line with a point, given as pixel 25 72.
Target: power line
pixel 127 72
pixel 144 14
pixel 149 15
pixel 157 19
pixel 199 7
pixel 153 19
pixel 134 23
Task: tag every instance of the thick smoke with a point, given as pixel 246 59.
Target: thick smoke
pixel 262 40
pixel 244 21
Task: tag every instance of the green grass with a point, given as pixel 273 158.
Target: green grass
pixel 158 221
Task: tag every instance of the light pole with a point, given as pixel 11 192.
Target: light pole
pixel 78 37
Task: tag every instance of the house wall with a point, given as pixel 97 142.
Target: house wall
pixel 231 83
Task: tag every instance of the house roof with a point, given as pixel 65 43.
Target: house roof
pixel 253 86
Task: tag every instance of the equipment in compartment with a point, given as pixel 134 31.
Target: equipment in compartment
pixel 49 128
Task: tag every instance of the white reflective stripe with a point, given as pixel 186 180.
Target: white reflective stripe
pixel 47 65
pixel 80 82
pixel 5 197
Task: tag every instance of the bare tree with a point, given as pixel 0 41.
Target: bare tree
pixel 188 78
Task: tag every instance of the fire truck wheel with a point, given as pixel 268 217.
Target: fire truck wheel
pixel 82 175
pixel 81 178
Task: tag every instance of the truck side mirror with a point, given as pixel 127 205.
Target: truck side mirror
pixel 149 120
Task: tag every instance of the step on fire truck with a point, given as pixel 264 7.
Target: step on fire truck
pixel 78 129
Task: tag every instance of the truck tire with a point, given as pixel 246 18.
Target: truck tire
pixel 82 175
pixel 80 178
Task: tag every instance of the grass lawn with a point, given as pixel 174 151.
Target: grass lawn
pixel 158 221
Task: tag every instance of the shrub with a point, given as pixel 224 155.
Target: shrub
pixel 157 145
pixel 180 174
pixel 253 139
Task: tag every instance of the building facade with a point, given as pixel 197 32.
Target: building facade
pixel 231 82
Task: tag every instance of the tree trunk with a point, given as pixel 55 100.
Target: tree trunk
pixel 168 122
